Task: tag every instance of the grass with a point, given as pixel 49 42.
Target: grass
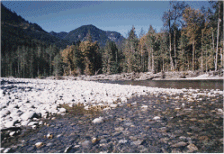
pixel 78 110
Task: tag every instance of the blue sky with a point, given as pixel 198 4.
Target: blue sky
pixel 107 15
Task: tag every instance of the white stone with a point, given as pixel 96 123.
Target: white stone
pixel 12 133
pixel 62 110
pixel 144 106
pixel 98 120
pixel 7 150
pixel 32 123
pixel 113 105
pixel 156 118
pixel 28 115
pixel 4 112
pixel 39 144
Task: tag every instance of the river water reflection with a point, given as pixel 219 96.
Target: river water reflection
pixel 179 84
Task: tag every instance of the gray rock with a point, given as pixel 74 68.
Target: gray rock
pixel 67 149
pixel 4 112
pixel 7 150
pixel 192 148
pixel 39 144
pixel 28 115
pixel 86 143
pixel 98 120
pixel 49 144
pixel 179 144
pixel 12 133
pixel 138 142
pixel 122 141
pixel 33 123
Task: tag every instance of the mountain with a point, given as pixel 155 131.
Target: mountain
pixel 59 35
pixel 15 30
pixel 96 34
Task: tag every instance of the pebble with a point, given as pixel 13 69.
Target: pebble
pixel 39 144
pixel 67 149
pixel 192 148
pixel 138 142
pixel 7 150
pixel 98 120
pixel 156 118
pixel 86 143
pixel 50 136
pixel 122 141
pixel 179 144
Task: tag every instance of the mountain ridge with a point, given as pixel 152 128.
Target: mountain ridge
pixel 15 27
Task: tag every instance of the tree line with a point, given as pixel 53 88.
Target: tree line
pixel 190 40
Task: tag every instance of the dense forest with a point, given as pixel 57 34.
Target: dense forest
pixel 190 40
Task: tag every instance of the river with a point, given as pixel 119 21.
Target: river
pixel 179 84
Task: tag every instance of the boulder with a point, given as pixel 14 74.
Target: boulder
pixel 29 115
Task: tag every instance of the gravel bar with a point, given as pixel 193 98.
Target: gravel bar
pixel 83 116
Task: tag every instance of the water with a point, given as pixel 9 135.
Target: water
pixel 194 84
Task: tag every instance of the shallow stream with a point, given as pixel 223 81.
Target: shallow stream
pixel 179 84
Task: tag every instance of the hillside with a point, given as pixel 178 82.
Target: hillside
pixel 59 35
pixel 16 30
pixel 96 33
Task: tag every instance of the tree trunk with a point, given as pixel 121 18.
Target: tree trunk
pixel 175 51
pixel 202 69
pixel 213 44
pixel 221 58
pixel 152 62
pixel 171 60
pixel 193 56
pixel 206 60
pixel 217 45
pixel 149 62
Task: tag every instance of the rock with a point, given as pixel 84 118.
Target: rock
pixel 177 109
pixel 34 126
pixel 156 118
pixel 32 123
pixel 67 149
pixel 50 136
pixel 59 135
pixel 9 124
pixel 113 105
pixel 4 112
pixel 164 140
pixel 192 148
pixel 49 144
pixel 138 142
pixel 122 141
pixel 95 140
pixel 28 115
pixel 144 107
pixel 86 143
pixel 39 144
pixel 62 110
pixel 179 144
pixel 25 123
pixel 12 133
pixel 98 120
pixel 7 150
pixel 119 129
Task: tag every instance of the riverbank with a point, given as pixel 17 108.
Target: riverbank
pixel 27 103
pixel 182 75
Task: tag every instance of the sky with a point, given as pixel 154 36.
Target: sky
pixel 117 16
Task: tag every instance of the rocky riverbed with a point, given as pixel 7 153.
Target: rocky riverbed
pixel 83 116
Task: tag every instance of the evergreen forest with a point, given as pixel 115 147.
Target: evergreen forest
pixel 190 40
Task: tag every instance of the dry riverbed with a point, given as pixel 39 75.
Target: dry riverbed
pixel 84 116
